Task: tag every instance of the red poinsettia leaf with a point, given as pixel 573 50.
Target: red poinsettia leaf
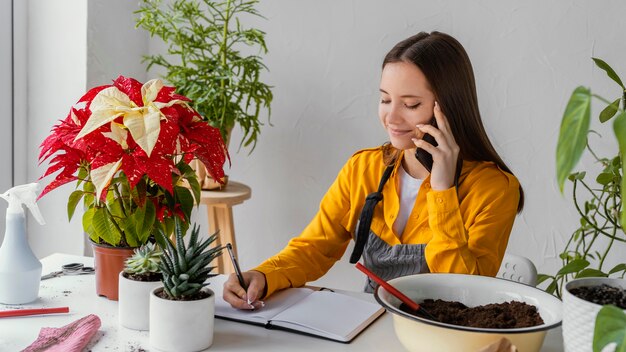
pixel 56 183
pixel 88 97
pixel 160 171
pixel 130 87
pixel 134 168
pixel 166 94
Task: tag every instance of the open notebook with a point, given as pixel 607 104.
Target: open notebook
pixel 325 314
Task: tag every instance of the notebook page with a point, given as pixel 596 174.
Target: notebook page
pixel 273 305
pixel 329 314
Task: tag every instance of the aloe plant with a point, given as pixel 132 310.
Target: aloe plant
pixel 599 204
pixel 185 268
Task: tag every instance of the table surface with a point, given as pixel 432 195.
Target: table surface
pixel 234 193
pixel 78 292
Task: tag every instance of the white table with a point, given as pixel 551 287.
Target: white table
pixel 78 292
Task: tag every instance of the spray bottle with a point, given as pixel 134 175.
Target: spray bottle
pixel 20 270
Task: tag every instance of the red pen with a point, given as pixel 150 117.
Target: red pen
pixel 406 300
pixel 36 311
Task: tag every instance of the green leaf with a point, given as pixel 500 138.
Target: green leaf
pixel 552 287
pixel 543 277
pixel 88 222
pixel 610 327
pixel 573 133
pixel 609 111
pixel 573 267
pixel 144 220
pixel 617 268
pixel 72 202
pixel 105 228
pixel 185 199
pixel 609 71
pixel 577 176
pixel 604 178
pixel 591 273
pixel 619 127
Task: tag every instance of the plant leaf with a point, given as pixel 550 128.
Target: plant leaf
pixel 610 327
pixel 609 71
pixel 72 202
pixel 543 277
pixel 619 127
pixel 609 111
pixel 591 273
pixel 573 133
pixel 617 268
pixel 104 227
pixel 573 267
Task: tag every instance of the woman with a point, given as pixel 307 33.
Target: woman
pixel 453 216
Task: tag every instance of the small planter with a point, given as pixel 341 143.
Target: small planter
pixel 108 263
pixel 134 302
pixel 579 316
pixel 181 326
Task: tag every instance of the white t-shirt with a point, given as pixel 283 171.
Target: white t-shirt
pixel 407 189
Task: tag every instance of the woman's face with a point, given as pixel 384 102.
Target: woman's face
pixel 405 101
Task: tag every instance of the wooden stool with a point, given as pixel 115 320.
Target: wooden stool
pixel 220 212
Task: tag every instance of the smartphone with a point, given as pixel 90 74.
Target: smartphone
pixel 423 156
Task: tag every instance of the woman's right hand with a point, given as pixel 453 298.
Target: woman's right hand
pixel 237 295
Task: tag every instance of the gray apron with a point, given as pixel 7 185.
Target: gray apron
pixel 388 262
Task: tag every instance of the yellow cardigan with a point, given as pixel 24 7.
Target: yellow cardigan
pixel 467 236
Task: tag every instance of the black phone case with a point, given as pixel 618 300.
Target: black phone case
pixel 423 156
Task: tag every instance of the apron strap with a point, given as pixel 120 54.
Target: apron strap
pixel 365 219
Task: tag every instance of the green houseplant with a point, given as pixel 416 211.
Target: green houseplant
pixel 128 147
pixel 140 276
pixel 184 297
pixel 599 204
pixel 212 59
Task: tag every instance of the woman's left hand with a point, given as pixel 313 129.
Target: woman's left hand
pixel 445 154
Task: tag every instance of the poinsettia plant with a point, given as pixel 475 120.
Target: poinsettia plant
pixel 128 145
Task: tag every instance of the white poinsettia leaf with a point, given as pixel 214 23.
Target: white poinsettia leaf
pixel 144 126
pixel 106 106
pixel 161 105
pixel 103 175
pixel 119 134
pixel 150 90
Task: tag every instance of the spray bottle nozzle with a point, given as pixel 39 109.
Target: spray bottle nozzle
pixel 23 194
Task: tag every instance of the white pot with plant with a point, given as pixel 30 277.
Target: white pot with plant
pixel 182 312
pixel 214 60
pixel 141 275
pixel 600 237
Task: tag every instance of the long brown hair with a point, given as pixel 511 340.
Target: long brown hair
pixel 447 68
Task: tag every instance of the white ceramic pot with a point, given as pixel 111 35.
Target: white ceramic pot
pixel 181 326
pixel 579 316
pixel 422 335
pixel 134 302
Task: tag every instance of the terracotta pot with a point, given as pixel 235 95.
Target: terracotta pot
pixel 109 262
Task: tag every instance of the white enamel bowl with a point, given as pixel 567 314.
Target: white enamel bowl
pixel 419 334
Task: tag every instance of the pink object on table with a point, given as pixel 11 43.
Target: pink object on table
pixel 72 337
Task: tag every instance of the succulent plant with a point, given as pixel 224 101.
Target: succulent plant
pixel 186 268
pixel 144 260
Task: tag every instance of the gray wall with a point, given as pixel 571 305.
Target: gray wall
pixel 325 61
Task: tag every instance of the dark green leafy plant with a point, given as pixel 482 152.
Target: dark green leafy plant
pixel 185 268
pixel 610 327
pixel 205 60
pixel 599 204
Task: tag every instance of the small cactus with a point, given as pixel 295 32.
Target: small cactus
pixel 145 261
pixel 186 268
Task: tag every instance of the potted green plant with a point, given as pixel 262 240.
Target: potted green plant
pixel 184 296
pixel 214 60
pixel 140 276
pixel 599 204
pixel 128 147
